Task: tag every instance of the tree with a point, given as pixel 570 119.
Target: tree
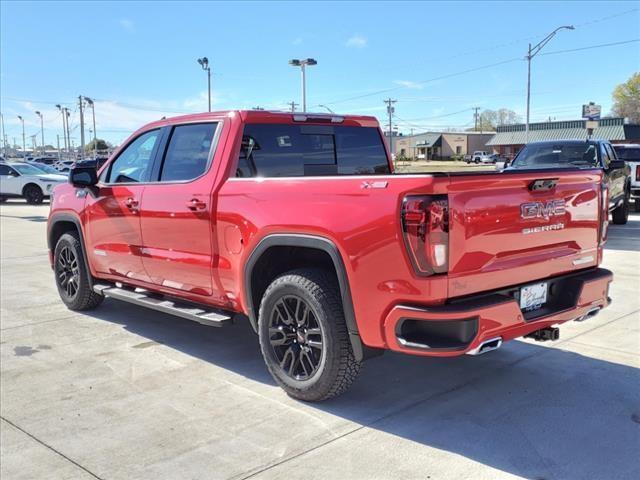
pixel 626 99
pixel 490 119
pixel 102 145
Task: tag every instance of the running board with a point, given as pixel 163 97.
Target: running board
pixel 141 297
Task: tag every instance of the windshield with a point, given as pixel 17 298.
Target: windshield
pixel 24 169
pixel 628 154
pixel 556 155
pixel 47 169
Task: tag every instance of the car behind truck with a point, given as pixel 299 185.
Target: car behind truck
pixel 297 224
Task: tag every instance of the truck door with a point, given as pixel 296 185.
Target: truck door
pixel 616 177
pixel 177 211
pixel 113 214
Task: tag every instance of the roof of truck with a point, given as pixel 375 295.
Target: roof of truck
pixel 271 116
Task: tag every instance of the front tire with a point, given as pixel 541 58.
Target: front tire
pixel 72 278
pixel 303 336
pixel 33 194
pixel 621 214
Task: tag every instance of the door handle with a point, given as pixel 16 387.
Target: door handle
pixel 195 204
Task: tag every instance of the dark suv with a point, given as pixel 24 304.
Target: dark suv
pixel 583 154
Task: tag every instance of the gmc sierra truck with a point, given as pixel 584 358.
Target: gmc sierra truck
pixel 297 224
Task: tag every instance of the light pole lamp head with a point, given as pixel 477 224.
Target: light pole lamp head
pixel 89 101
pixel 204 62
pixel 311 61
pixel 295 62
pixel 20 117
pixel 38 113
pixel 569 27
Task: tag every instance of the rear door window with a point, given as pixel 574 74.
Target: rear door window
pixel 188 152
pixel 280 150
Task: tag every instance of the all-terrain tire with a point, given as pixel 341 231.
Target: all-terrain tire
pixel 621 214
pixel 336 369
pixel 72 278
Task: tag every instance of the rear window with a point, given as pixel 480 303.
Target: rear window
pixel 279 150
pixel 559 155
pixel 628 154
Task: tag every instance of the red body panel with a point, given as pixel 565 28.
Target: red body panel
pixel 200 254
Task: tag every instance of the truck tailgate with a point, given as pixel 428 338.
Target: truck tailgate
pixel 506 230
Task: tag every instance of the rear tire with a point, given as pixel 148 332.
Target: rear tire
pixel 72 278
pixel 636 205
pixel 303 336
pixel 33 194
pixel 4 199
pixel 621 214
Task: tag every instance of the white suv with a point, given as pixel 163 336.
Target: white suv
pixel 22 180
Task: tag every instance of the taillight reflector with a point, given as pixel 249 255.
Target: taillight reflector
pixel 425 226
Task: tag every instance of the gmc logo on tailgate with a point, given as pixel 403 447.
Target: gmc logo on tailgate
pixel 542 209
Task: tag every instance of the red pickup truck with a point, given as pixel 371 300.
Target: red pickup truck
pixel 297 224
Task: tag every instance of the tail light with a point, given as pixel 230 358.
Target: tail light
pixel 425 226
pixel 604 213
pixel 637 173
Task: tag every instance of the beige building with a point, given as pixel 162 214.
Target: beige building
pixel 439 145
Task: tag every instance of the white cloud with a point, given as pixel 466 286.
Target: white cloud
pixel 127 24
pixel 409 84
pixel 357 41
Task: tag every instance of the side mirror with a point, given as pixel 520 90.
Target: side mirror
pixel 616 164
pixel 83 174
pixel 13 173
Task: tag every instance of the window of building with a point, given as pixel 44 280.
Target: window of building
pixel 187 155
pixel 279 150
pixel 458 150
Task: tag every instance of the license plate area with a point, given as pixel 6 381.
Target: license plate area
pixel 533 296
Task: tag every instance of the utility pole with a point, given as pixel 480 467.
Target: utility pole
pixel 80 101
pixel 475 117
pixel 34 143
pixel 67 115
pixel 390 110
pixel 293 106
pixel 532 52
pixel 58 138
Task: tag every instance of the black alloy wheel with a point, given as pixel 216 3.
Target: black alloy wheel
pixel 68 272
pixel 296 337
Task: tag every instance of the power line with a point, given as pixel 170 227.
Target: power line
pixel 591 47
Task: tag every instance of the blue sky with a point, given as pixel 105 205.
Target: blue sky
pixel 138 60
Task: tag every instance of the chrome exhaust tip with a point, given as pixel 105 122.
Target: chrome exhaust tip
pixel 486 346
pixel 590 314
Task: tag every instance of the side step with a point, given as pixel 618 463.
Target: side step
pixel 141 297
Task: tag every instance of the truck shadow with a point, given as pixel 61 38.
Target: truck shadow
pixel 526 409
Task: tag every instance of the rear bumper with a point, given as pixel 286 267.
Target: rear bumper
pixel 460 326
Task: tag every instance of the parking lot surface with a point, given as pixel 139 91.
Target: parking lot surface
pixel 124 393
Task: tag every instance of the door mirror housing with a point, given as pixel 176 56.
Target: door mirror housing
pixel 83 174
pixel 616 164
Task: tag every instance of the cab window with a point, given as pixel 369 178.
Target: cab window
pixel 188 152
pixel 133 165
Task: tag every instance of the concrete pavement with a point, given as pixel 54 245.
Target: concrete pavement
pixel 123 393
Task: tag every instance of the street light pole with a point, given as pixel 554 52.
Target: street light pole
pixel 24 142
pixel 532 52
pixel 64 126
pixel 95 138
pixel 204 63
pixel 303 64
pixel 41 130
pixel 328 109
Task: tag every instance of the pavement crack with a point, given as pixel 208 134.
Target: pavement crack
pixel 51 448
